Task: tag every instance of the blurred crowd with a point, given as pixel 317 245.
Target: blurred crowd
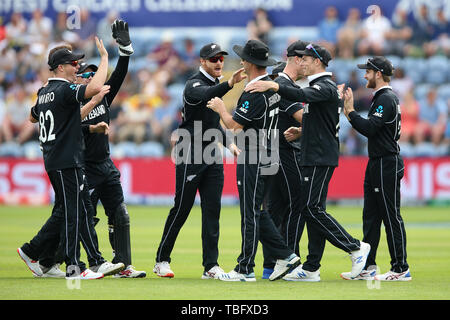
pixel 416 39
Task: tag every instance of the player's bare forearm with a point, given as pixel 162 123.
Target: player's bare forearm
pixel 229 122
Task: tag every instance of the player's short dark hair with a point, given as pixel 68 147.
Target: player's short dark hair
pixel 386 78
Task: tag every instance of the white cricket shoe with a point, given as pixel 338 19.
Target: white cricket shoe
pixel 53 272
pixel 368 274
pixel 298 274
pixel 359 258
pixel 212 273
pixel 236 276
pixel 162 269
pixel 108 268
pixel 394 276
pixel 33 265
pixel 284 266
pixel 130 272
pixel 86 275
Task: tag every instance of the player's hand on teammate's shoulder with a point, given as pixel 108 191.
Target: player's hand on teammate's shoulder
pixel 262 86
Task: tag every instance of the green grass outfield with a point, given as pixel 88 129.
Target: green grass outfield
pixel 428 234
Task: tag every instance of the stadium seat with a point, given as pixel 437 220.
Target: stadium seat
pixel 11 149
pixel 124 149
pixel 150 149
pixel 421 90
pixel 444 91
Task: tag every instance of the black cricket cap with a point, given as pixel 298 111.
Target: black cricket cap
pixel 85 65
pixel 297 45
pixel 255 52
pixel 378 63
pixel 316 51
pixel 278 68
pixel 63 56
pixel 210 50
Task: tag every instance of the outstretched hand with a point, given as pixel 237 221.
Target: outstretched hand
pixel 237 77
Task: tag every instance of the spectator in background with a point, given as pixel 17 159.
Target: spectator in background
pixel 138 116
pixel 104 32
pixel 422 34
pixel 40 28
pixel 2 30
pixel 349 34
pixel 117 115
pixel 441 36
pixel 373 36
pixel 190 60
pixel 399 35
pixel 260 26
pixel 59 27
pixel 2 116
pixel 410 116
pixel 16 31
pixel 432 119
pixel 362 98
pixel 86 34
pixel 16 126
pixel 401 84
pixel 328 29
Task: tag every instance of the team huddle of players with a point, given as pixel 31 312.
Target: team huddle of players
pixel 297 106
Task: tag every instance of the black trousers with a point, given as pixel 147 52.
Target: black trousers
pixel 105 185
pixel 283 202
pixel 382 204
pixel 71 220
pixel 321 225
pixel 256 224
pixel 208 180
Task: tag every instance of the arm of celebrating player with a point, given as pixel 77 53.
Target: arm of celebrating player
pixel 97 82
pixel 94 101
pixel 218 106
pixel 117 78
pixel 366 127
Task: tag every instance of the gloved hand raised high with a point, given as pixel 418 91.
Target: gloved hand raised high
pixel 121 34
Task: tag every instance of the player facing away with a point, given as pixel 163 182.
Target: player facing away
pixel 258 114
pixel 58 112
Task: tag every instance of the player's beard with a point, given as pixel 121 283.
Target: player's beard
pixel 371 84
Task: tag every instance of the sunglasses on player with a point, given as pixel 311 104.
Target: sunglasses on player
pixel 311 47
pixel 73 63
pixel 215 59
pixel 86 75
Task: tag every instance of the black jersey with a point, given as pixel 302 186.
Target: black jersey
pixel 287 109
pixel 383 125
pixel 199 89
pixel 58 111
pixel 97 145
pixel 258 113
pixel 320 122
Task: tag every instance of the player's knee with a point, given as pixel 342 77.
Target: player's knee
pixel 121 217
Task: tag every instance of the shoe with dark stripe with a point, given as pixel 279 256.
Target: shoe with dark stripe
pixel 284 266
pixel 394 276
pixel 236 276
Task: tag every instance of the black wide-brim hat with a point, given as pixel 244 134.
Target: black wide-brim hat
pixel 255 52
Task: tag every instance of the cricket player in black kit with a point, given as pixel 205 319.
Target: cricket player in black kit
pixel 102 175
pixel 319 157
pixel 384 171
pixel 255 120
pixel 192 171
pixel 58 112
pixel 283 194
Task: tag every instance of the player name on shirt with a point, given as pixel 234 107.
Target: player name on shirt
pixel 46 98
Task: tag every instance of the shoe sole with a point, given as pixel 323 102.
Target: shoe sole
pixel 239 280
pixel 19 251
pixel 367 279
pixel 168 275
pixel 141 275
pixel 81 278
pixel 114 271
pixel 292 266
pixel 301 280
pixel 402 279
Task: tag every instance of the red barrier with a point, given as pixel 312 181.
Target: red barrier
pixel 25 181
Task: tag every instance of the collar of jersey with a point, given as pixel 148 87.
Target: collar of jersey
pixel 318 75
pixel 284 75
pixel 383 87
pixel 58 79
pixel 257 79
pixel 206 74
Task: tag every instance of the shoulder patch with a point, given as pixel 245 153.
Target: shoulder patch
pixel 317 87
pixel 244 107
pixel 73 86
pixel 196 84
pixel 379 111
